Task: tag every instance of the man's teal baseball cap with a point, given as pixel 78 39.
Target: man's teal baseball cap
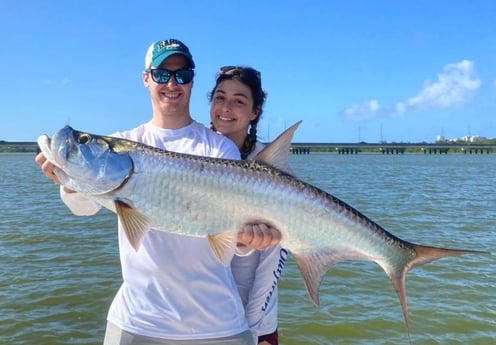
pixel 161 50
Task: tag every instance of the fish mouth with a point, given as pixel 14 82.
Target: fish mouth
pixel 57 148
pixel 46 146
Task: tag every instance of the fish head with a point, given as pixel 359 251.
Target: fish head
pixel 88 163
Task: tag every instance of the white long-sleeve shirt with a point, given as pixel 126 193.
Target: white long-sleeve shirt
pixel 257 277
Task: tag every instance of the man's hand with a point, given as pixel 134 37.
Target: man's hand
pixel 47 169
pixel 259 236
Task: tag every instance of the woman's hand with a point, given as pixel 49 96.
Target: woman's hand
pixel 259 236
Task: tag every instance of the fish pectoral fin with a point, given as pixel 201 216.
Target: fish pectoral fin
pixel 134 223
pixel 223 245
pixel 314 265
pixel 276 153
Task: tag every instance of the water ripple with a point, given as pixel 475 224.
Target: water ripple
pixel 59 273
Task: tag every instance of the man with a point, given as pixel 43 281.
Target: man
pixel 174 290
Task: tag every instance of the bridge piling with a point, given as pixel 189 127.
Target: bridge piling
pixel 393 148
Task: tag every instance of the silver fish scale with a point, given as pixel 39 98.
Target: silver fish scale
pixel 201 196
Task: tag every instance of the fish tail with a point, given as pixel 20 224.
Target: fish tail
pixel 423 254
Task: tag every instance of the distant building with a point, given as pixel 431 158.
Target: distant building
pixel 468 139
pixel 473 138
pixel 440 139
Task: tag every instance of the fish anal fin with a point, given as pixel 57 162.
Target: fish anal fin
pixel 223 246
pixel 276 153
pixel 134 223
pixel 313 266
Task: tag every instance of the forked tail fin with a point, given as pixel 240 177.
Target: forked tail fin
pixel 423 255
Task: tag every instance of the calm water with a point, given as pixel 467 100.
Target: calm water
pixel 59 273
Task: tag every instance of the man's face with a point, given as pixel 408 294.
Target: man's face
pixel 170 98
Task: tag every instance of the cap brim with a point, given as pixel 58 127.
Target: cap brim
pixel 162 57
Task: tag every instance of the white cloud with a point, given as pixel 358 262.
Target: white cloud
pixel 366 110
pixel 63 82
pixel 454 85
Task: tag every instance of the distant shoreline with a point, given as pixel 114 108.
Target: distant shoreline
pixel 32 146
pixel 28 146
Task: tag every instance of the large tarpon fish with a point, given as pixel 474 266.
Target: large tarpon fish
pixel 214 198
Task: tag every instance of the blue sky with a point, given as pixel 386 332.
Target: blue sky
pixel 351 70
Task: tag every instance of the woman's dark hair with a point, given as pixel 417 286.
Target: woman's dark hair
pixel 251 78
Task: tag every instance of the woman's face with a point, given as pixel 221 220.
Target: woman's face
pixel 231 109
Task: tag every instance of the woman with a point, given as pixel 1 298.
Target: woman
pixel 236 107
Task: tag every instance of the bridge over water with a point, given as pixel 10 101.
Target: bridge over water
pixel 393 148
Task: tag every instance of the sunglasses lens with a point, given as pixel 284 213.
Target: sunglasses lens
pixel 240 71
pixel 160 76
pixel 226 69
pixel 184 76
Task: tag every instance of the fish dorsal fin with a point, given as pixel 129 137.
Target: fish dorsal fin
pixel 223 245
pixel 134 223
pixel 276 153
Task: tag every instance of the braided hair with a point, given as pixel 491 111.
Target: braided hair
pixel 251 78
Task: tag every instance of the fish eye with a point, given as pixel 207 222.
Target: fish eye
pixel 83 138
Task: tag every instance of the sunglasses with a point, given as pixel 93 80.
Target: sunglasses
pixel 240 71
pixel 162 76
